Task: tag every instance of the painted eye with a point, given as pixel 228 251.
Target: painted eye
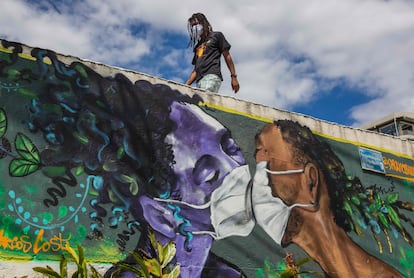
pixel 206 170
pixel 230 147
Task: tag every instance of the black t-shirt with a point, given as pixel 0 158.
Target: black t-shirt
pixel 207 55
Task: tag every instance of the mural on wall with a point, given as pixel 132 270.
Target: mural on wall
pixel 119 166
pixel 304 172
pixel 147 150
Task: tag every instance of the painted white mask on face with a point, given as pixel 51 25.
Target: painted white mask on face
pixel 197 30
pixel 270 212
pixel 229 215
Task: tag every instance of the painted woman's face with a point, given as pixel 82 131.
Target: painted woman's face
pixel 204 153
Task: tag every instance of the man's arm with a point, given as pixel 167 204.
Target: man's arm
pixel 229 61
pixel 192 77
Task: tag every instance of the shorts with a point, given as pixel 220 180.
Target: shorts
pixel 210 82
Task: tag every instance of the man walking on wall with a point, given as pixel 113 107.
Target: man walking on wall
pixel 208 46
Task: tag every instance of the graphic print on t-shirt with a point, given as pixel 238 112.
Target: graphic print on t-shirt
pixel 200 50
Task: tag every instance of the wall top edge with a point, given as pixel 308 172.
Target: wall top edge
pixel 358 136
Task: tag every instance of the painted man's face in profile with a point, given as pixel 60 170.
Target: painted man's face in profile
pixel 271 147
pixel 203 150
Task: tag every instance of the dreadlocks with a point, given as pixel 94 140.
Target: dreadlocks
pixel 207 29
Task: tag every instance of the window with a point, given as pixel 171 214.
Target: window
pixel 389 129
pixel 406 128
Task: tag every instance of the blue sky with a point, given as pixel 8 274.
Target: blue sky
pixel 349 62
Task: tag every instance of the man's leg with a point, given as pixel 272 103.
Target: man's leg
pixel 210 82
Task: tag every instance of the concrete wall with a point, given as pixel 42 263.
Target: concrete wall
pixel 117 161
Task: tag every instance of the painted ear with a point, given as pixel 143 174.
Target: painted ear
pixel 158 216
pixel 312 182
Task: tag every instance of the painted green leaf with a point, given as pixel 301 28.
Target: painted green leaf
pixel 120 152
pixel 141 262
pixel 260 273
pixel 153 240
pixel 133 188
pixel 392 198
pixel 175 272
pixel 82 232
pixel 355 200
pixel 21 167
pixel 3 122
pixel 72 253
pixel 160 252
pixel 133 185
pixel 362 196
pixel 81 256
pixel 168 253
pixel 113 196
pixel 378 201
pixel 79 171
pixel 383 220
pixel 110 165
pixel 46 216
pixel 372 208
pixel 394 217
pixel 82 139
pixel 348 208
pixel 63 266
pixel 81 71
pixel 26 149
pixel 47 271
pixel 95 273
pixel 153 266
pixel 12 73
pixel 63 211
pixel 27 93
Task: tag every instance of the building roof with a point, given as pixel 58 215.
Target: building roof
pixel 407 116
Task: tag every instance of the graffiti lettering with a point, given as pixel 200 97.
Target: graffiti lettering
pixel 60 190
pixel 23 243
pixel 382 189
pixel 397 166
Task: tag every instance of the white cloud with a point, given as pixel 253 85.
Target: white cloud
pixel 285 51
pixel 364 43
pixel 21 22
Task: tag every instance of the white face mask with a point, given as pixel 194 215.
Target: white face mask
pixel 229 215
pixel 270 212
pixel 197 30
